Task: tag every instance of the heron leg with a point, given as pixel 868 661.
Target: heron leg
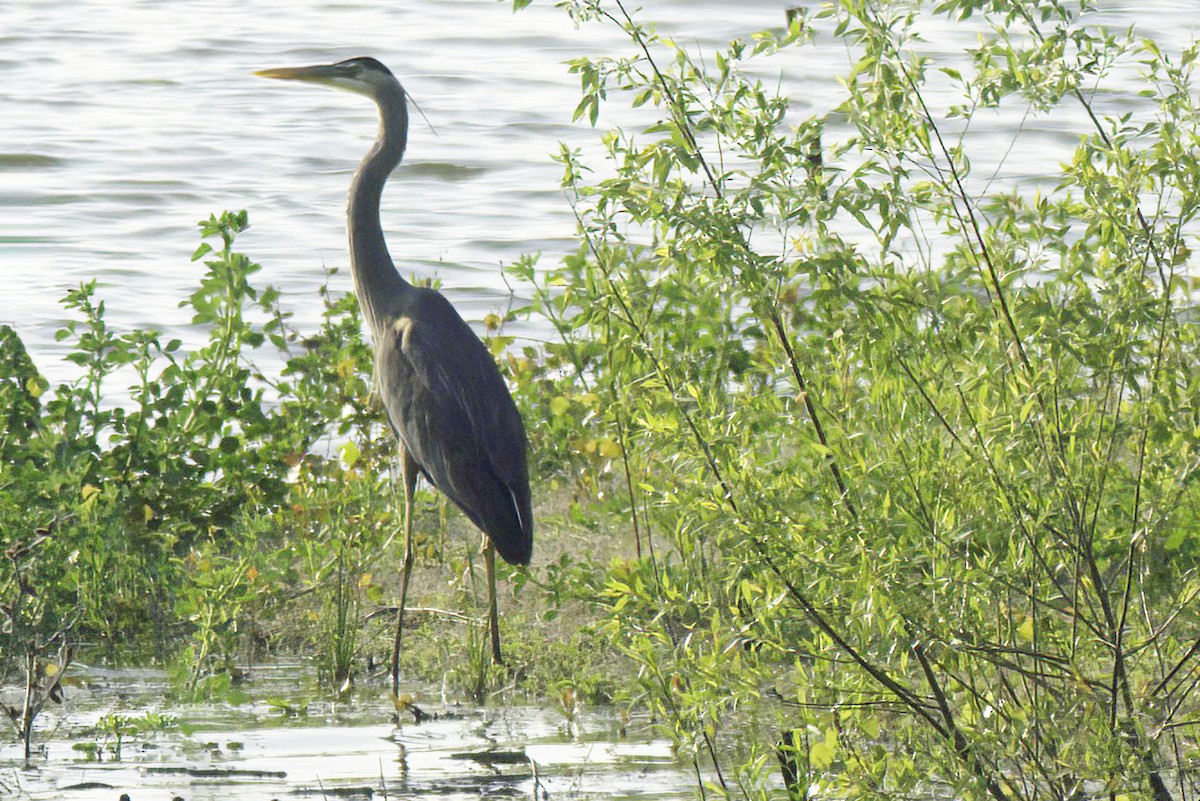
pixel 409 474
pixel 489 560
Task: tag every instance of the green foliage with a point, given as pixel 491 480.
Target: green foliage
pixel 218 589
pixel 113 730
pixel 907 456
pixel 130 524
pixel 924 447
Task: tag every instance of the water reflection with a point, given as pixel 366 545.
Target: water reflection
pixel 255 750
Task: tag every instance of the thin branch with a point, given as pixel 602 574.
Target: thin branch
pixel 962 748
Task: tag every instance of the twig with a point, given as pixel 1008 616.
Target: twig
pixel 983 772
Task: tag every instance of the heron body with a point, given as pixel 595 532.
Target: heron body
pixel 454 416
pixel 445 398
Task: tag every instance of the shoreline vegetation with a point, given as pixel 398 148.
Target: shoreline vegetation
pixel 863 478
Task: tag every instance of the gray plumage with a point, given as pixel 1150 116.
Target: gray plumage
pixel 445 398
pixel 455 417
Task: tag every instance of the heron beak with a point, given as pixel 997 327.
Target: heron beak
pixel 322 73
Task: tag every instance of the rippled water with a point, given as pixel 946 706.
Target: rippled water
pixel 125 123
pixel 293 747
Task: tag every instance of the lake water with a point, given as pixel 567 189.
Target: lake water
pixel 125 123
pixel 300 746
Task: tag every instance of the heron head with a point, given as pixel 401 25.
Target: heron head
pixel 362 75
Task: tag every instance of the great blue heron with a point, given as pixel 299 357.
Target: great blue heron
pixel 455 419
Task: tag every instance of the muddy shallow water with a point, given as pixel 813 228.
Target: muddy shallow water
pixel 284 746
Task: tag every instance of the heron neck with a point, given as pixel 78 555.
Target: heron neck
pixel 376 280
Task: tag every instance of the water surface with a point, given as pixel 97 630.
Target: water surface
pixel 292 747
pixel 126 123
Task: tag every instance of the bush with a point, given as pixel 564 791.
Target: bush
pixel 924 451
pixel 130 526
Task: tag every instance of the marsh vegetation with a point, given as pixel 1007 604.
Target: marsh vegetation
pixel 861 472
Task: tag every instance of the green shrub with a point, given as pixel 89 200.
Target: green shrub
pixel 131 523
pixel 924 452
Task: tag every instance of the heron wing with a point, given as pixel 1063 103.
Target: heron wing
pixel 456 417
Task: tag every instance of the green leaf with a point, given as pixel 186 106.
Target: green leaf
pixel 822 754
pixel 350 454
pixel 559 406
